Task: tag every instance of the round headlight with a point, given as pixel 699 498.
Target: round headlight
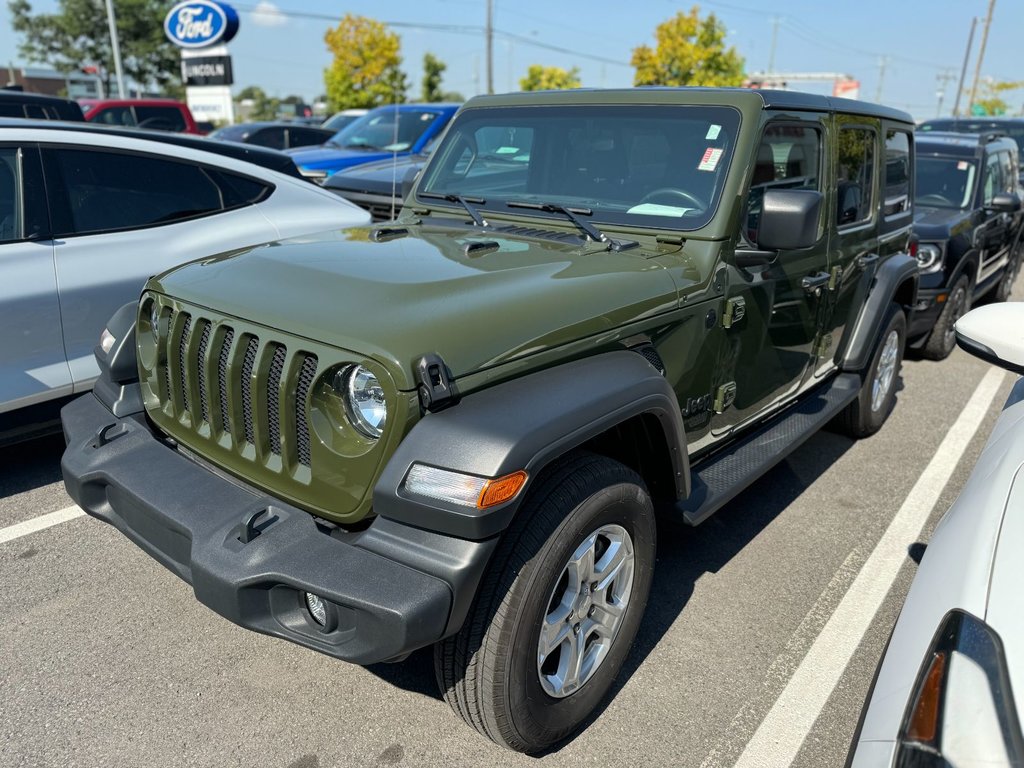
pixel 364 399
pixel 929 257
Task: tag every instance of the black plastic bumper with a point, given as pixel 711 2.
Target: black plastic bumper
pixel 250 557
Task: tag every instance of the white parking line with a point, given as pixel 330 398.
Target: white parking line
pixel 782 732
pixel 40 523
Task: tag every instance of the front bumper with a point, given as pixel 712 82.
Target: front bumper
pixel 250 557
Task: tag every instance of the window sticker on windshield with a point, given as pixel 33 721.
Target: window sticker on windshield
pixel 710 160
pixel 506 150
pixel 656 209
pixel 962 165
pixel 713 132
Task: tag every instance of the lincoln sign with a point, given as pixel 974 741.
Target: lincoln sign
pixel 200 23
pixel 207 70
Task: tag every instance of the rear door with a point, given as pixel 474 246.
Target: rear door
pixel 121 217
pixel 33 366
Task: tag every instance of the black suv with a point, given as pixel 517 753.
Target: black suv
pixel 968 222
pixel 1011 126
pixel 14 103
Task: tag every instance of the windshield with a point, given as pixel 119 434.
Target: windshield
pixel 945 182
pixel 378 130
pixel 636 165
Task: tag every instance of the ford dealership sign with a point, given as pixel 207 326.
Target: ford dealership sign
pixel 200 23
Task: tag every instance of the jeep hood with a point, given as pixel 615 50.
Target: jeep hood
pixel 939 223
pixel 397 300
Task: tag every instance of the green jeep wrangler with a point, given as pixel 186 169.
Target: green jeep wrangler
pixel 456 428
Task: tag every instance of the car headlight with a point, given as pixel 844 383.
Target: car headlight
pixel 929 257
pixel 962 711
pixel 364 399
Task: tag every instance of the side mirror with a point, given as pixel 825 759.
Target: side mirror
pixel 1005 202
pixel 995 333
pixel 408 181
pixel 789 219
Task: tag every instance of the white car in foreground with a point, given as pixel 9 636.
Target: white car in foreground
pixel 945 694
pixel 87 214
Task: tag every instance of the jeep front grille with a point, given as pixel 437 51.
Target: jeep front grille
pixel 239 389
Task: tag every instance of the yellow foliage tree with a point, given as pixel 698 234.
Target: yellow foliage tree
pixel 991 101
pixel 689 51
pixel 366 70
pixel 541 78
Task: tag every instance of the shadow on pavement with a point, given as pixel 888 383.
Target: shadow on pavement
pixel 31 464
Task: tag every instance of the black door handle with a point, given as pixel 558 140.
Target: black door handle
pixel 814 283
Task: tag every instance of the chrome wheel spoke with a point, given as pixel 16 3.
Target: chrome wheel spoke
pixel 585 610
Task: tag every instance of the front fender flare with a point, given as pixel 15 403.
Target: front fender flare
pixel 524 424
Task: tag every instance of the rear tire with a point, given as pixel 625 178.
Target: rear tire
pixel 877 396
pixel 1012 269
pixel 547 633
pixel 942 339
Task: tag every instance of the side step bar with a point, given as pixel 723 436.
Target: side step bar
pixel 716 481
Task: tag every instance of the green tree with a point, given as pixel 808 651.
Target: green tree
pixel 689 51
pixel 991 102
pixel 77 35
pixel 541 78
pixel 264 107
pixel 433 68
pixel 366 70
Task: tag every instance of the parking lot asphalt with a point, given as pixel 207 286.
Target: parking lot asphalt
pixel 110 661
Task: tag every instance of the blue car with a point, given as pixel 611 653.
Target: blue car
pixel 402 129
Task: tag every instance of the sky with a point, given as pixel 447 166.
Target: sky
pixel 903 52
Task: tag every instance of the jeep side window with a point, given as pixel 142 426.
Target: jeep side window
pixel 994 182
pixel 897 174
pixel 855 175
pixel 788 157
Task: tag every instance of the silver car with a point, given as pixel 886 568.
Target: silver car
pixel 944 694
pixel 86 216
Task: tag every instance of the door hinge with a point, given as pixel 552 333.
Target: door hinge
pixel 735 310
pixel 834 277
pixel 823 345
pixel 725 396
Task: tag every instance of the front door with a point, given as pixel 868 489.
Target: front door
pixel 773 310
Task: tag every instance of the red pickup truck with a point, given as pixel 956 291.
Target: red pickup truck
pixel 154 114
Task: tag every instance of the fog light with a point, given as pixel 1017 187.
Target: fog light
pixel 317 608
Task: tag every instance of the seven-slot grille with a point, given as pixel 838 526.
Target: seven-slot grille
pixel 251 390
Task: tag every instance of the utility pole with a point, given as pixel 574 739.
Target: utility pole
pixel 943 78
pixel 963 70
pixel 775 37
pixel 881 77
pixel 490 46
pixel 116 47
pixel 981 53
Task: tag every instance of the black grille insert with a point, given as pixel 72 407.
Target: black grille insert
pixel 204 345
pixel 247 405
pixel 306 375
pixel 274 399
pixel 222 378
pixel 186 328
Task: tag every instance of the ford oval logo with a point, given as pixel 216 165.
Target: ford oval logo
pixel 199 23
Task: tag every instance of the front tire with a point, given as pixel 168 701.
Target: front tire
pixel 943 338
pixel 557 610
pixel 877 396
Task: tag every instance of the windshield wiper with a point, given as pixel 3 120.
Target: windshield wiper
pixel 573 214
pixel 466 202
pixel 570 213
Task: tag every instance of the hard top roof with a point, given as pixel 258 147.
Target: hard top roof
pixel 768 99
pixel 961 144
pixel 250 153
pixel 7 94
